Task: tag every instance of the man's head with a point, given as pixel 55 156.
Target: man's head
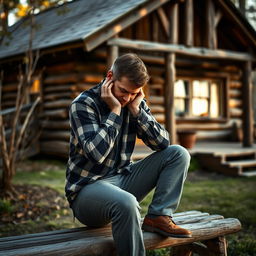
pixel 129 75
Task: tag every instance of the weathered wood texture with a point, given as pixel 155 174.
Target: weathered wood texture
pixel 181 49
pixel 83 241
pixel 247 105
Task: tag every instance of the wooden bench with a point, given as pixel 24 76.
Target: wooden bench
pixel 210 230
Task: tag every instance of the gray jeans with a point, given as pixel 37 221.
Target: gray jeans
pixel 116 199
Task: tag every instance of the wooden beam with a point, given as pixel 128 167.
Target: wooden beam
pixel 181 49
pixel 173 33
pixel 189 23
pixel 113 52
pixel 155 28
pixel 211 33
pixel 170 75
pixel 100 36
pixel 247 106
pixel 225 6
pixel 164 21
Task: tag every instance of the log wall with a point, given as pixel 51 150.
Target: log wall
pixel 61 84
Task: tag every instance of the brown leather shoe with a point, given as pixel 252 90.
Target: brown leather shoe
pixel 165 226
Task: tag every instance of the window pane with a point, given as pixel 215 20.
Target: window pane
pixel 200 88
pixel 180 89
pixel 214 108
pixel 199 107
pixel 179 107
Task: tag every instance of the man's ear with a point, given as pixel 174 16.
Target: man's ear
pixel 110 74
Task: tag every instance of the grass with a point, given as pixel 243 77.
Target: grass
pixel 230 197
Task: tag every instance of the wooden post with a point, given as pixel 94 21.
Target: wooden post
pixel 211 36
pixel 112 55
pixel 173 35
pixel 189 23
pixel 247 105
pixel 170 76
pixel 217 246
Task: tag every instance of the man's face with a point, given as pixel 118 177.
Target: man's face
pixel 125 91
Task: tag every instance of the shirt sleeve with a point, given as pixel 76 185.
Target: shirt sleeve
pixel 153 134
pixel 96 137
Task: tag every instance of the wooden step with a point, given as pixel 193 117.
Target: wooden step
pixel 242 163
pixel 248 173
pixel 236 152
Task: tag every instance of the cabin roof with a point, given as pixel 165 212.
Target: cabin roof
pixel 67 23
pixel 76 21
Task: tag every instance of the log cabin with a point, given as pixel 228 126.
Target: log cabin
pixel 200 55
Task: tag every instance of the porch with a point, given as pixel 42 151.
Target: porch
pixel 229 158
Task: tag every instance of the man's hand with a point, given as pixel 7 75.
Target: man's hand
pixel 109 98
pixel 134 106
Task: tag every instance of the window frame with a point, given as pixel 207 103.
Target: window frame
pixel 223 96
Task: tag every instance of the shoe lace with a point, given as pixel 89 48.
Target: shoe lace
pixel 171 222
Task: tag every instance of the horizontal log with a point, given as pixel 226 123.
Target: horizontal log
pixel 60 68
pixel 59 88
pixel 157 80
pixel 180 49
pixel 10 87
pixel 56 96
pixel 92 78
pixel 213 135
pixel 55 135
pixel 92 67
pixel 57 104
pixel 156 109
pixel 63 235
pixel 56 125
pixel 62 79
pixel 100 241
pixel 83 87
pixel 10 111
pixel 9 96
pixel 156 100
pixel 235 103
pixel 160 117
pixel 156 86
pixel 54 147
pixel 56 114
pixel 206 126
pixel 235 112
pixel 235 84
pixel 235 93
pixel 8 104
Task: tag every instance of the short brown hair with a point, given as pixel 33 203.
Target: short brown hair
pixel 132 67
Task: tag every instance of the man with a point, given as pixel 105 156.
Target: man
pixel 102 184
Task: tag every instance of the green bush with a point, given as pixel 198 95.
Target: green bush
pixel 5 207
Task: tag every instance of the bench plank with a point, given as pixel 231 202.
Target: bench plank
pixel 56 237
pixel 85 241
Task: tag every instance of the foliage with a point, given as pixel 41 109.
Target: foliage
pixel 12 151
pixel 5 207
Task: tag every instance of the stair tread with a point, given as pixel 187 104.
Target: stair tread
pixel 242 163
pixel 235 153
pixel 248 173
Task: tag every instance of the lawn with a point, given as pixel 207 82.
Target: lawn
pixel 213 193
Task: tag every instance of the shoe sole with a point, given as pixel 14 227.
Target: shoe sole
pixel 163 233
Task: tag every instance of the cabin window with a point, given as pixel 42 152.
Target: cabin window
pixel 198 98
pixel 35 87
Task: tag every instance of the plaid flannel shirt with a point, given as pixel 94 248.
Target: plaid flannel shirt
pixel 93 147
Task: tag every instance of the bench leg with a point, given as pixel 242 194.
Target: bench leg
pixel 217 246
pixel 182 250
pixel 213 247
